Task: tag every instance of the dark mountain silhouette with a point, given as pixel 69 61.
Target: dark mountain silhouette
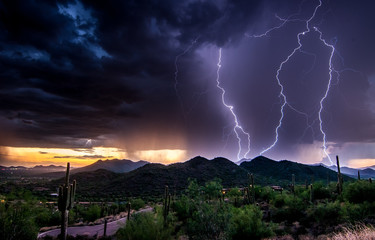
pixel 281 171
pixel 151 179
pixel 50 168
pixel 116 165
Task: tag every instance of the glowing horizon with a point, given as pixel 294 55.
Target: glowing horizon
pixel 79 157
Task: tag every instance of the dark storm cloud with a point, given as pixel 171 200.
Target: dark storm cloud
pixel 71 71
pixel 76 69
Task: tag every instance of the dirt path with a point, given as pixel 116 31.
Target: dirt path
pixel 98 230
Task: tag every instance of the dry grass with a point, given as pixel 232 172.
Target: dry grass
pixel 357 232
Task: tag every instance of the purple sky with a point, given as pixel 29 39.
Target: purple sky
pixel 106 71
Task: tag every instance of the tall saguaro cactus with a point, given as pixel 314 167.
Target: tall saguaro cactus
pixel 339 177
pixel 65 202
pixel 251 185
pixel 167 202
pixel 293 184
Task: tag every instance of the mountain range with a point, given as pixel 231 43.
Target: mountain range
pixel 116 165
pixel 151 178
pixel 353 172
pixel 52 171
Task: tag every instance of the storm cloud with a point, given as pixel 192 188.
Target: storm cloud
pixel 71 71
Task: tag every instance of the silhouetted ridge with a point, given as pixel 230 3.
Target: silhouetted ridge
pixel 151 178
pixel 115 165
pixel 281 171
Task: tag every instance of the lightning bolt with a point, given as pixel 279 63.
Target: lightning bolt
pixel 88 143
pixel 237 129
pixel 326 92
pixel 282 95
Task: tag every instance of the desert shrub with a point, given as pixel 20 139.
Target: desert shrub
pixel 329 214
pixel 137 203
pixel 92 213
pixel 320 191
pixel 193 190
pixel 183 207
pixel 358 212
pixel 234 192
pixel 302 193
pixel 265 193
pixel 212 189
pixel 359 192
pixel 278 201
pixel 209 221
pixel 46 217
pixel 145 226
pixel 115 208
pixel 246 223
pixel 287 213
pixel 17 222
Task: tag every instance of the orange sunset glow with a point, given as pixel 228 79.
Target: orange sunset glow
pixel 80 157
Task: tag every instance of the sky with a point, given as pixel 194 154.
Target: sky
pixel 166 80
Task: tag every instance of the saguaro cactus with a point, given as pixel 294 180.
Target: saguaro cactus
pixel 65 202
pixel 293 184
pixel 105 228
pixel 248 196
pixel 167 201
pixel 129 209
pixel 359 176
pixel 251 179
pixel 339 177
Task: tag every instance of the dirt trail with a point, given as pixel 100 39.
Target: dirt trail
pixel 97 230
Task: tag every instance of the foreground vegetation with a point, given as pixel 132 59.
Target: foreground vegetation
pixel 204 212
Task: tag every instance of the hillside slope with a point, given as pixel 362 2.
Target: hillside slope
pixel 281 171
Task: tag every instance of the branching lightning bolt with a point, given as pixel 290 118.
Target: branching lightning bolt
pixel 282 95
pixel 237 128
pixel 326 93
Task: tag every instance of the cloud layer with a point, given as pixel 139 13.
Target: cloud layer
pixel 72 71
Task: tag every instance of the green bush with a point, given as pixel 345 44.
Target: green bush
pixel 320 191
pixel 145 226
pixel 265 193
pixel 292 210
pixel 46 217
pixel 358 212
pixel 193 190
pixel 183 207
pixel 279 201
pixel 17 222
pixel 92 213
pixel 359 192
pixel 327 214
pixel 137 203
pixel 209 221
pixel 213 189
pixel 246 223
